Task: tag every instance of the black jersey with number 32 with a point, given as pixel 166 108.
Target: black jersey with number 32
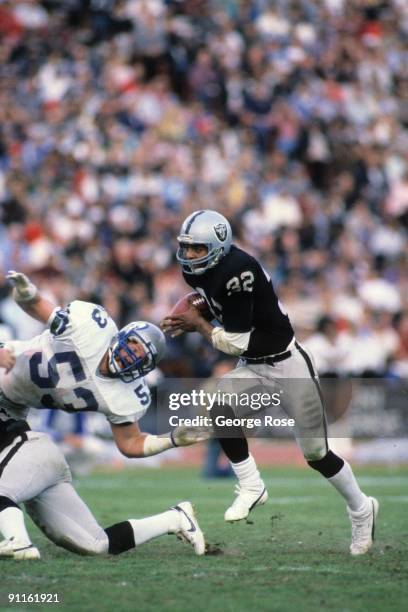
pixel 242 298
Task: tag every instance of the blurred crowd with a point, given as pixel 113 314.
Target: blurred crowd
pixel 120 118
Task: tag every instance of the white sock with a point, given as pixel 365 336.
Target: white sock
pixel 346 484
pixel 154 526
pixel 248 474
pixel 12 525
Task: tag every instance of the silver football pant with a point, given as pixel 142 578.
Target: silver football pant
pixel 37 475
pixel 296 381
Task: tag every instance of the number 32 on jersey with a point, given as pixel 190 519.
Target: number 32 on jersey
pixel 243 282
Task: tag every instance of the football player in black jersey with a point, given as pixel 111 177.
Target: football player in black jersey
pixel 253 325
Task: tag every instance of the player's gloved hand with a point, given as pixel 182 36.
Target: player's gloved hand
pixel 184 435
pixel 24 290
pixel 7 358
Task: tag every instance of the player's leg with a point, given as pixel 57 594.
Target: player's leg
pixel 16 542
pixel 361 509
pixel 30 464
pixel 179 519
pixel 68 522
pixel 306 407
pixel 251 490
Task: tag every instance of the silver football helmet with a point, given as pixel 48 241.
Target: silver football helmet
pixel 123 361
pixel 210 229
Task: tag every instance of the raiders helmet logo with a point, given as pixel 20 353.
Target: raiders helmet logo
pixel 221 231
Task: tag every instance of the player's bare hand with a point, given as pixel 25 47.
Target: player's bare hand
pixel 185 436
pixel 24 290
pixel 185 321
pixel 178 332
pixel 168 327
pixel 7 359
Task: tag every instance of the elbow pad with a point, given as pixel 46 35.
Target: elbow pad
pixel 230 342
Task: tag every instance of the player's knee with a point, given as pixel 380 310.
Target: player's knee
pixel 313 449
pixel 81 542
pixel 328 466
pixel 85 546
pixel 315 454
pixel 99 546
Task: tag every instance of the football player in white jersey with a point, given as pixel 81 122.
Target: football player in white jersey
pixel 80 362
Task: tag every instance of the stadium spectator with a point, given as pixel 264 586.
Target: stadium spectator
pixel 120 118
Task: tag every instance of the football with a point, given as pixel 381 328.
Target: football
pixel 192 299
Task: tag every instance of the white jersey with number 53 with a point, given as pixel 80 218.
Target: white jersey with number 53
pixel 60 369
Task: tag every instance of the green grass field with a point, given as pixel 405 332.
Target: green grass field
pixel 292 555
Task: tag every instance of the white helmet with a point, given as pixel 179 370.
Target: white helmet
pixel 210 229
pixel 132 367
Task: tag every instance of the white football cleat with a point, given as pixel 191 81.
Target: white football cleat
pixel 13 550
pixel 362 527
pixel 244 502
pixel 189 528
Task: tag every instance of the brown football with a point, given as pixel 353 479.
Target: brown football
pixel 192 299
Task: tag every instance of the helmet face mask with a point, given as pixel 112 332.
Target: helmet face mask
pixel 205 228
pixel 124 362
pixel 198 265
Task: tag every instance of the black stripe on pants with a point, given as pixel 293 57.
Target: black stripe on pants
pixel 12 452
pixel 313 374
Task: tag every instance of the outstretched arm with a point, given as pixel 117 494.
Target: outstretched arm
pixel 136 444
pixel 29 298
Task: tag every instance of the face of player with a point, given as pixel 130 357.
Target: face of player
pixel 135 347
pixel 194 251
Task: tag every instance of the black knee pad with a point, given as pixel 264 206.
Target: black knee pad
pixel 121 537
pixel 329 465
pixel 6 502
